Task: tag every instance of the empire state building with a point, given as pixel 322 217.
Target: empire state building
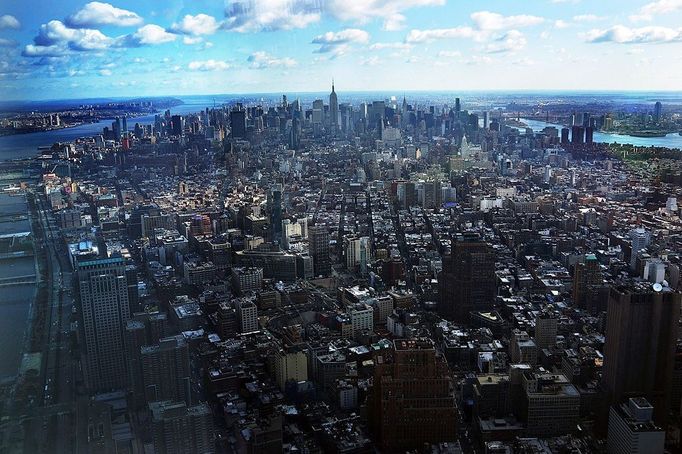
pixel 333 111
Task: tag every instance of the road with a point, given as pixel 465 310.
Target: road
pixel 58 364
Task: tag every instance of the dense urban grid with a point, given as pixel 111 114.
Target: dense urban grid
pixel 347 278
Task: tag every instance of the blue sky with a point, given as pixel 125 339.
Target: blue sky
pixel 75 49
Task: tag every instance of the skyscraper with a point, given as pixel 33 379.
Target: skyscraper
pixel 103 291
pixel 639 353
pixel 238 123
pixel 166 371
pixel 564 135
pixel 658 108
pixel 586 274
pixel 639 239
pixel 467 281
pixel 411 399
pixel 177 125
pixel 333 111
pixel 319 250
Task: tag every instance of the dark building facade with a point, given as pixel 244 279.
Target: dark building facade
pixel 639 354
pixel 467 281
pixel 412 402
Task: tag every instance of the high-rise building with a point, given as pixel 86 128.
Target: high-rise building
pixel 238 123
pixel 545 329
pixel 586 274
pixel 333 111
pixel 639 239
pixel 103 291
pixel 166 370
pixel 178 429
pixel 658 109
pixel 275 205
pixel 639 354
pixel 564 135
pixel 177 125
pixel 247 314
pixel 467 281
pixel 631 429
pixel 412 403
pixel 577 134
pixel 356 251
pixel 319 250
pixel 589 134
pixel 551 404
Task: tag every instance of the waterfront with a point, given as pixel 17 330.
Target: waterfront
pixel 672 140
pixel 15 300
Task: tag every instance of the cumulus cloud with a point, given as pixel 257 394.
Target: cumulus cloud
pixel 256 15
pixel 648 11
pixel 7 21
pixel 95 14
pixel 105 72
pixel 349 35
pixel 512 41
pixel 189 40
pixel 208 65
pixel 338 43
pixel 8 42
pixel 201 24
pixel 390 11
pixel 487 25
pixel 487 21
pixel 396 45
pixel 263 60
pixel 150 34
pixel 56 39
pixel 625 35
pixel 420 36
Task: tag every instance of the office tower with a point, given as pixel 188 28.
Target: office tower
pixel 179 429
pixel 640 239
pixel 577 134
pixel 589 134
pixel 641 333
pixel 458 106
pixel 295 132
pixel 238 123
pixel 177 125
pixel 103 291
pixel 116 127
pixel 356 251
pixel 166 370
pixel 333 111
pixel 247 315
pixel 545 329
pixel 228 322
pixel 485 120
pixel 586 120
pixel 275 205
pixel 658 108
pixel 564 135
pixel 587 274
pixel 319 250
pixel 124 124
pixel 467 281
pixel 411 400
pixel 631 429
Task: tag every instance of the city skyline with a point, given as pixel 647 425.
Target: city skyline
pixel 124 48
